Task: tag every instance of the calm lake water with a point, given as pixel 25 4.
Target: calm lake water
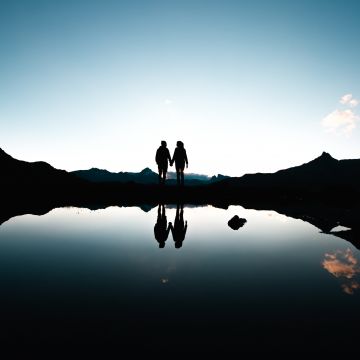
pixel 80 276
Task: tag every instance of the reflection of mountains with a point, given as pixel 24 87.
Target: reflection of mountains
pixel 324 216
pixel 11 210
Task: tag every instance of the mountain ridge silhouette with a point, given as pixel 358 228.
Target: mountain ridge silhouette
pixel 18 172
pixel 145 176
pixel 321 171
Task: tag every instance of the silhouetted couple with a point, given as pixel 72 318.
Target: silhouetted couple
pixel 178 230
pixel 163 158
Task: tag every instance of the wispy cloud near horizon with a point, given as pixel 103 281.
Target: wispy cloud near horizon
pixel 354 102
pixel 340 121
pixel 343 121
pixel 348 99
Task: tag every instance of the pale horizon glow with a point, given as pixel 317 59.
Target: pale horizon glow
pixel 247 86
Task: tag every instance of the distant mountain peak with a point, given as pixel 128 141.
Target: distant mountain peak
pixel 96 170
pixel 146 171
pixel 325 157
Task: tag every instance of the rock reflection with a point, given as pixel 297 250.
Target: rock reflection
pixel 343 265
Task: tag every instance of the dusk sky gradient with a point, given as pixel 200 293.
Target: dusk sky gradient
pixel 248 86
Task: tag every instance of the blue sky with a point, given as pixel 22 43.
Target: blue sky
pixel 247 85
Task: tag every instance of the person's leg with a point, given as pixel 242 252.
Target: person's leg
pixel 177 217
pixel 165 172
pixel 164 176
pixel 165 168
pixel 182 177
pixel 160 172
pixel 178 176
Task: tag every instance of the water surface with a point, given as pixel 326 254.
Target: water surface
pixel 82 276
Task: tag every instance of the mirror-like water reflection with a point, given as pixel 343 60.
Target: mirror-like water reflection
pixel 178 227
pixel 125 275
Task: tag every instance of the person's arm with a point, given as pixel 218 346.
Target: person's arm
pixel 157 156
pixel 173 158
pixel 168 156
pixel 185 228
pixel 170 226
pixel 186 159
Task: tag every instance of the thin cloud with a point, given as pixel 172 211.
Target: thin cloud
pixel 340 121
pixel 354 102
pixel 348 99
pixel 168 102
pixel 345 99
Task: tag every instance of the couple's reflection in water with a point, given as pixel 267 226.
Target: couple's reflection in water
pixel 162 228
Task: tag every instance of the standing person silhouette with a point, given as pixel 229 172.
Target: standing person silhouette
pixel 179 229
pixel 161 228
pixel 162 159
pixel 180 159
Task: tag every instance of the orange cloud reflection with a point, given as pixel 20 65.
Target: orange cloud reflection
pixel 343 264
pixel 349 288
